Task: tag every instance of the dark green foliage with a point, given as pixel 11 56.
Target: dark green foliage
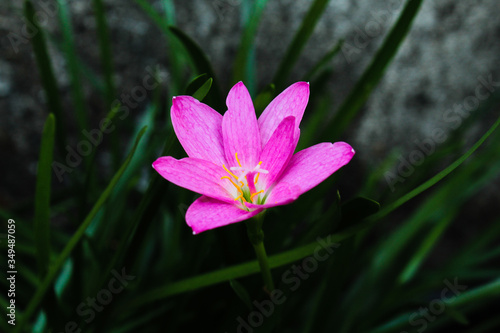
pixel 341 262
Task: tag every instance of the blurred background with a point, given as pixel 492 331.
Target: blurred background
pixel 437 96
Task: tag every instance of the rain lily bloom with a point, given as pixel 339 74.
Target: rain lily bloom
pixel 242 165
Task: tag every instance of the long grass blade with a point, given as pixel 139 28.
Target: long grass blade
pixel 105 50
pixel 46 72
pixel 73 65
pixel 108 70
pixel 324 61
pixel 54 269
pixel 290 256
pixel 243 64
pixel 410 195
pixel 147 209
pixel 175 55
pixel 372 75
pixel 488 291
pixel 42 196
pixel 299 41
pixel 202 65
pixel 425 248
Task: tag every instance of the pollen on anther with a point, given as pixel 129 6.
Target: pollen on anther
pixel 256 193
pixel 236 155
pixel 229 172
pixel 238 188
pixel 256 179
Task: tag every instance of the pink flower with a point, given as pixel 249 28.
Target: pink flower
pixel 242 165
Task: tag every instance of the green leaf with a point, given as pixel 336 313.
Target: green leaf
pixel 196 84
pixel 429 183
pixel 242 293
pixel 299 41
pixel 199 87
pixel 106 57
pixel 324 61
pixel 105 50
pixel 202 65
pixel 158 19
pixel 203 91
pixel 243 69
pixel 42 228
pixel 46 72
pixel 372 75
pixel 290 256
pixel 135 229
pixel 487 291
pixel 54 269
pixel 375 175
pixel 73 65
pixel 102 230
pixel 42 196
pixel 466 298
pixel 423 251
pixel 174 54
pixel 456 315
pixel 476 246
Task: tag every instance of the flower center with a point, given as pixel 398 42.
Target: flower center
pixel 245 180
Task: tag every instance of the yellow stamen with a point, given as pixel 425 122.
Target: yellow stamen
pixel 232 182
pixel 256 179
pixel 232 174
pixel 243 200
pixel 256 193
pixel 236 154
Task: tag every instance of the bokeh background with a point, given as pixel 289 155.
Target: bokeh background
pixel 452 48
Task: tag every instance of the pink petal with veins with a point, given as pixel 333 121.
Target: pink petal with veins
pixel 194 174
pixel 198 128
pixel 291 102
pixel 207 213
pixel 240 130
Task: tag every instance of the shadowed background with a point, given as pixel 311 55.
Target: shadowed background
pixel 437 97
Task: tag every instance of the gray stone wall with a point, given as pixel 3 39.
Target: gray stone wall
pixel 452 46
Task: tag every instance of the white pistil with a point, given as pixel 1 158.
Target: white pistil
pixel 246 171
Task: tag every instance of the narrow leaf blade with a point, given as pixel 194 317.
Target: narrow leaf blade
pixel 372 75
pixel 54 269
pixel 299 41
pixel 42 196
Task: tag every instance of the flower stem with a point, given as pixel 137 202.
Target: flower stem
pixel 256 236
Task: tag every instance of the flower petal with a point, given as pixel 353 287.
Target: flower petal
pixel 194 174
pixel 278 151
pixel 281 194
pixel 240 130
pixel 198 128
pixel 291 102
pixel 309 167
pixel 207 213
